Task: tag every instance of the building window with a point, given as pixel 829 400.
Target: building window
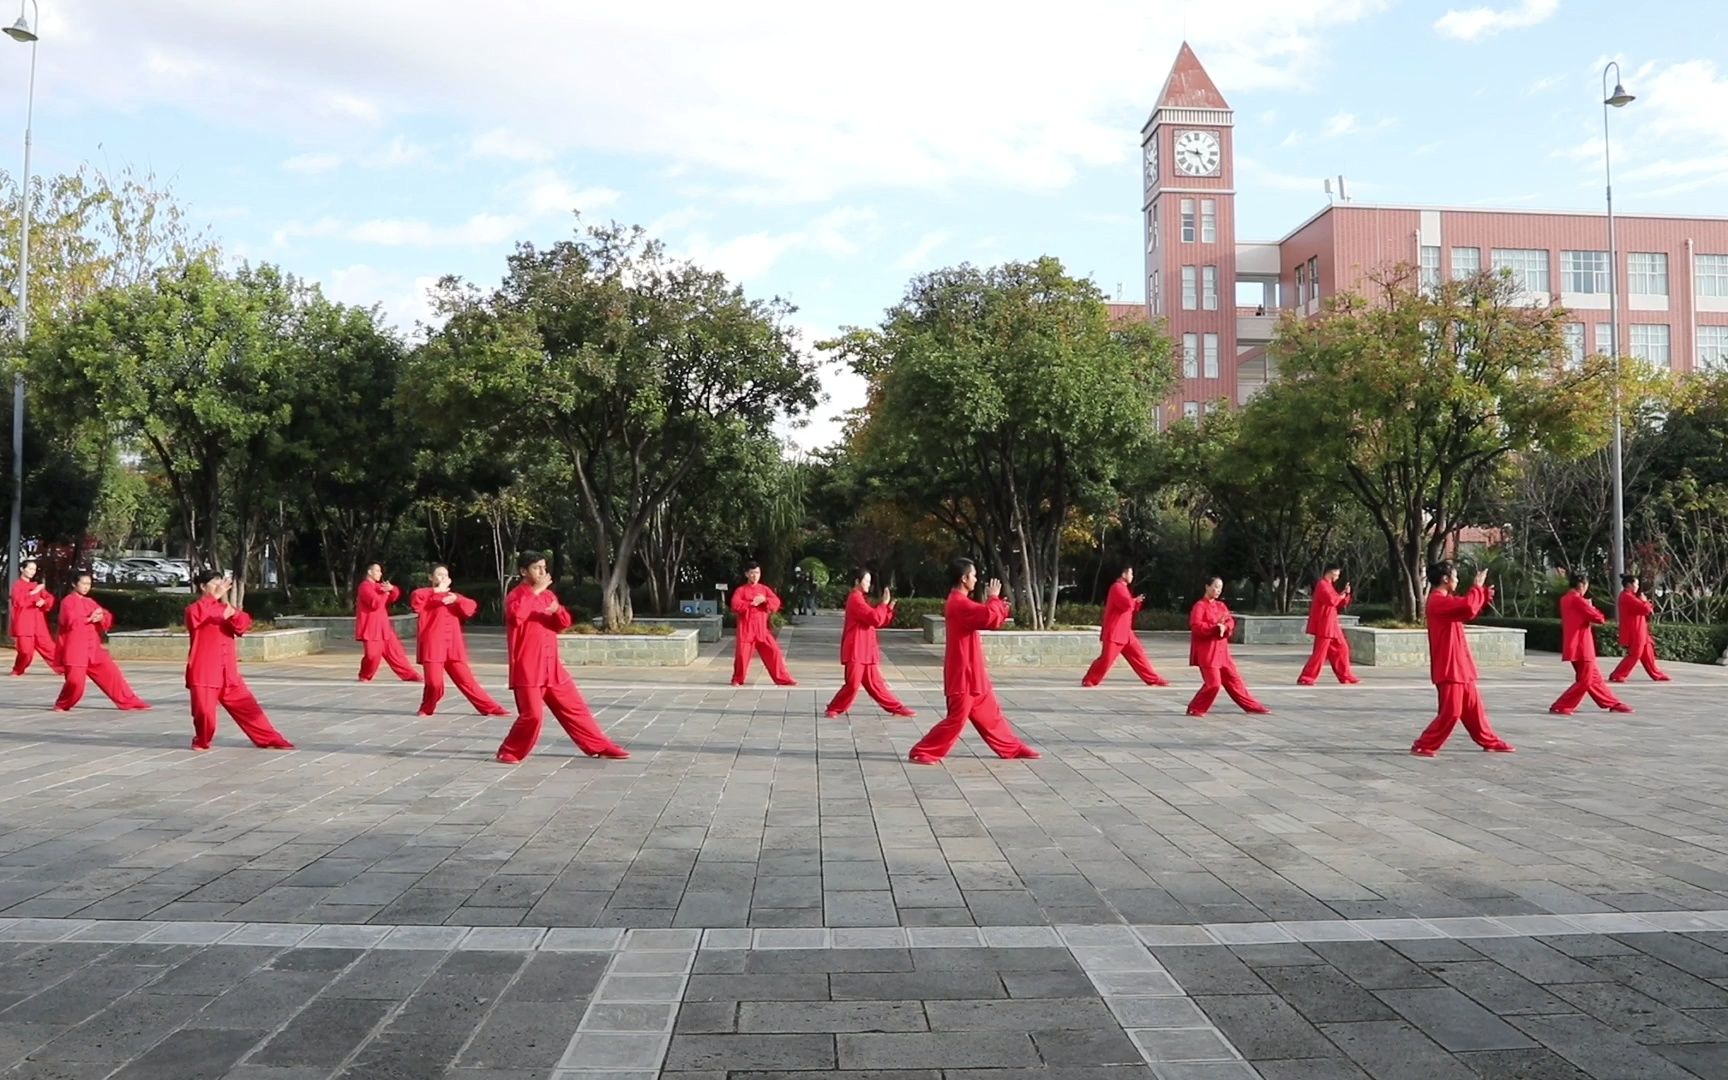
pixel 1430 258
pixel 1648 273
pixel 1575 344
pixel 1187 221
pixel 1712 275
pixel 1301 285
pixel 1604 339
pixel 1190 356
pixel 1208 221
pixel 1529 267
pixel 1210 352
pixel 1209 288
pixel 1189 289
pixel 1152 229
pixel 1156 294
pixel 1650 342
pixel 1314 278
pixel 1211 407
pixel 1190 410
pixel 1712 348
pixel 1584 272
pixel 1466 263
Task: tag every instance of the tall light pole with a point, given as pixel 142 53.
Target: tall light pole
pixel 21 31
pixel 1618 99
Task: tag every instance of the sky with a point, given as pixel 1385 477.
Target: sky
pixel 828 153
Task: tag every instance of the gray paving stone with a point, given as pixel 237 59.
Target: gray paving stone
pixel 1019 1015
pixel 522 1035
pixel 832 1016
pixel 323 1034
pixel 912 986
pixel 264 999
pixel 733 1053
pixel 769 987
pixel 948 1049
pixel 1393 1050
pixel 1596 1048
pixel 125 1029
pixel 1497 989
pixel 1538 1064
pixel 403 1056
pixel 1374 965
pixel 191 1054
pixel 1453 1020
pixel 1264 1026
pixel 1209 971
pixel 1626 1010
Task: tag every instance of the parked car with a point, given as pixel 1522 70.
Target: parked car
pixel 170 571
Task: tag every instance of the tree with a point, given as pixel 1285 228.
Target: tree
pixel 1414 401
pixel 1005 400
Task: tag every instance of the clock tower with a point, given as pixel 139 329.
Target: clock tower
pixel 1190 231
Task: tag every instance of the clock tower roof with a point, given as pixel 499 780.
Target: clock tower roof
pixel 1189 87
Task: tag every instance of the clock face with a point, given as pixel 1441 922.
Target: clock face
pixel 1198 153
pixel 1151 162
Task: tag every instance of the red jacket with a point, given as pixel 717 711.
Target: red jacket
pixel 1323 611
pixel 531 636
pixel 963 670
pixel 1449 659
pixel 29 609
pixel 439 639
pixel 372 611
pixel 80 639
pixel 1206 647
pixel 753 620
pixel 1635 612
pixel 858 634
pixel 1577 616
pixel 212 659
pixel 1118 620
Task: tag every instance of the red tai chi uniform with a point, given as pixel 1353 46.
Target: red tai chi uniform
pixel 1329 643
pixel 538 679
pixel 861 656
pixel 1453 671
pixel 83 654
pixel 1578 618
pixel 754 634
pixel 213 677
pixel 1117 634
pixel 31 602
pixel 377 638
pixel 1209 651
pixel 1635 612
pixel 441 648
pixel 966 684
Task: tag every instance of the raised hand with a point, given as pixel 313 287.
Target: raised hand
pixel 994 589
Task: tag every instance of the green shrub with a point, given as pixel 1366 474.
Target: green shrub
pixel 910 610
pixel 134 610
pixel 1152 619
pixel 633 630
pixel 1685 643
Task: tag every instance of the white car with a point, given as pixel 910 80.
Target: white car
pixel 168 570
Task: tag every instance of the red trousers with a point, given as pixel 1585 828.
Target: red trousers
pixel 1130 650
pixel 1333 649
pixel 985 713
pixel 390 651
pixel 1458 701
pixel 463 676
pixel 1643 654
pixel 772 659
pixel 1586 679
pixel 1228 679
pixel 105 673
pixel 568 709
pixel 868 676
pixel 237 698
pixel 29 647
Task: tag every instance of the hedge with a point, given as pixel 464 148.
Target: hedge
pixel 908 612
pixel 134 610
pixel 1683 642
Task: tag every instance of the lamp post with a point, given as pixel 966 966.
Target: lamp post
pixel 21 31
pixel 1618 99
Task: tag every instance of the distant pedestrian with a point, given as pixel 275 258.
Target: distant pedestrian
pixel 1210 625
pixel 860 654
pixel 1117 635
pixel 1635 610
pixel 755 604
pixel 373 630
pixel 1578 621
pixel 1328 633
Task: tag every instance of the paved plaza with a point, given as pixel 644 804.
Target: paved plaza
pixel 760 892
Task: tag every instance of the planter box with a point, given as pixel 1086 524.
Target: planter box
pixel 341 627
pixel 936 629
pixel 677 649
pixel 1279 629
pixel 707 627
pixel 1026 648
pixel 260 645
pixel 1493 646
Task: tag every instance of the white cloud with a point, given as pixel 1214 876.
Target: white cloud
pixel 918 258
pixel 1473 24
pixel 1669 141
pixel 312 164
pixel 477 230
pixel 838 234
pixel 403 297
pixel 1342 123
pixel 507 145
pixel 544 192
pixel 399 152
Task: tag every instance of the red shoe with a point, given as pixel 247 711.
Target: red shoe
pixel 1616 678
pixel 283 745
pixel 737 682
pixel 1305 682
pixel 832 715
pixel 1661 678
pixel 1620 706
pixel 1159 682
pixel 59 709
pixel 1083 682
pixel 788 682
pixel 499 711
pixel 1351 681
pixel 923 759
pixel 1558 711
pixel 1025 753
pixel 903 712
pixel 508 759
pixel 616 753
pixel 1258 710
pixel 200 749
pixel 1191 712
pixel 423 712
pixel 142 706
pixel 1500 748
pixel 1419 752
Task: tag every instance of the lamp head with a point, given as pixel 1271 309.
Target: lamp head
pixel 1619 98
pixel 20 30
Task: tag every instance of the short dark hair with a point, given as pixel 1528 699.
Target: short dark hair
pixel 1628 580
pixel 1575 578
pixel 83 572
pixel 204 577
pixel 1208 579
pixel 439 566
pixel 529 558
pixel 1331 566
pixel 1121 568
pixel 858 573
pixel 30 561
pixel 958 567
pixel 752 565
pixel 373 563
pixel 1440 571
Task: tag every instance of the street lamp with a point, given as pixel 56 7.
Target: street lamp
pixel 1618 99
pixel 21 31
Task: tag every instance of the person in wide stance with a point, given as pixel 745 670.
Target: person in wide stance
pixel 82 623
pixel 1210 625
pixel 533 619
pixel 441 648
pixel 31 603
pixel 372 628
pixel 1578 621
pixel 213 668
pixel 1635 610
pixel 1450 665
pixel 860 655
pixel 1117 636
pixel 965 679
pixel 1329 642
pixel 755 603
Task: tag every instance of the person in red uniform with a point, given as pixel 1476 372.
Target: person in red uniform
pixel 1329 643
pixel 31 603
pixel 965 679
pixel 533 619
pixel 860 655
pixel 372 628
pixel 1450 665
pixel 213 668
pixel 1117 635
pixel 1210 625
pixel 754 603
pixel 440 647
pixel 1578 621
pixel 1634 612
pixel 82 623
